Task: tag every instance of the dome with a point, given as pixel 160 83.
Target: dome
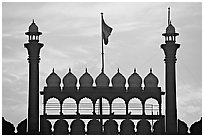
pixel 69 80
pixel 135 80
pixel 33 27
pixel 86 80
pixel 110 127
pixel 53 80
pixel 61 127
pixel 127 127
pixel 151 80
pixel 170 29
pixel 118 80
pixel 94 127
pixel 143 127
pixel 77 127
pixel 102 80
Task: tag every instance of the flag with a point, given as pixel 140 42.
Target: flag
pixel 106 31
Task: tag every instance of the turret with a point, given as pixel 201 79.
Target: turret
pixel 33 48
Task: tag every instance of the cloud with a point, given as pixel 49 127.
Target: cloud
pixel 189 100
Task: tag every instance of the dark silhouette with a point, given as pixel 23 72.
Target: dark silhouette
pixel 7 127
pixel 143 127
pixel 196 128
pixel 33 48
pixel 77 126
pixel 45 127
pixel 182 128
pixel 170 47
pixel 22 127
pixel 102 124
pixel 111 126
pixel 61 127
pixel 157 128
pixel 94 127
pixel 127 127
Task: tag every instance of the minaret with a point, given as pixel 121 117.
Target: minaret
pixel 170 47
pixel 33 48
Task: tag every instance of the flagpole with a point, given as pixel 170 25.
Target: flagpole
pixel 102 54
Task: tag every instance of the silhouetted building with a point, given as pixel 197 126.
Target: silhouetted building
pixel 127 127
pixel 7 127
pixel 45 127
pixel 111 127
pixel 170 47
pixel 103 90
pixel 61 127
pixel 33 48
pixel 77 127
pixel 196 128
pixel 182 128
pixel 143 127
pixel 94 127
pixel 22 127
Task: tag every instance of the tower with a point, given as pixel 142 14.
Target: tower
pixel 33 46
pixel 170 47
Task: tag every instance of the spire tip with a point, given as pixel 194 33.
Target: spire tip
pixel 150 70
pixel 134 70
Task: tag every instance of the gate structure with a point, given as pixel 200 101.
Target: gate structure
pixel 110 93
pixel 99 122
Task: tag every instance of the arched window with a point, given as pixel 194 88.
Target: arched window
pixel 118 106
pixel 85 106
pixel 53 107
pixel 151 107
pixel 105 107
pixel 69 106
pixel 135 106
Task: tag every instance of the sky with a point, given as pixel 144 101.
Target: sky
pixel 72 38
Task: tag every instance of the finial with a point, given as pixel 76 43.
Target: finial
pixel 150 70
pixel 168 15
pixel 118 70
pixel 69 69
pixel 134 70
pixel 53 70
pixel 101 13
pixel 33 21
pixel 102 70
pixel 86 70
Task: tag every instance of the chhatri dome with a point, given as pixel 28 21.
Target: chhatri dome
pixel 53 80
pixel 151 80
pixel 118 80
pixel 170 29
pixel 135 80
pixel 102 80
pixel 86 80
pixel 33 27
pixel 69 79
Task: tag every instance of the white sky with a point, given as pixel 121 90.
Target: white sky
pixel 72 38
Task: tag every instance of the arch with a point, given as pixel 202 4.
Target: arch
pixel 105 106
pixel 119 106
pixel 46 100
pixel 85 106
pixel 83 97
pixel 135 106
pixel 151 107
pixel 52 106
pixel 69 106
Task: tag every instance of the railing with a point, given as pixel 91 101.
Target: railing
pixel 150 108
